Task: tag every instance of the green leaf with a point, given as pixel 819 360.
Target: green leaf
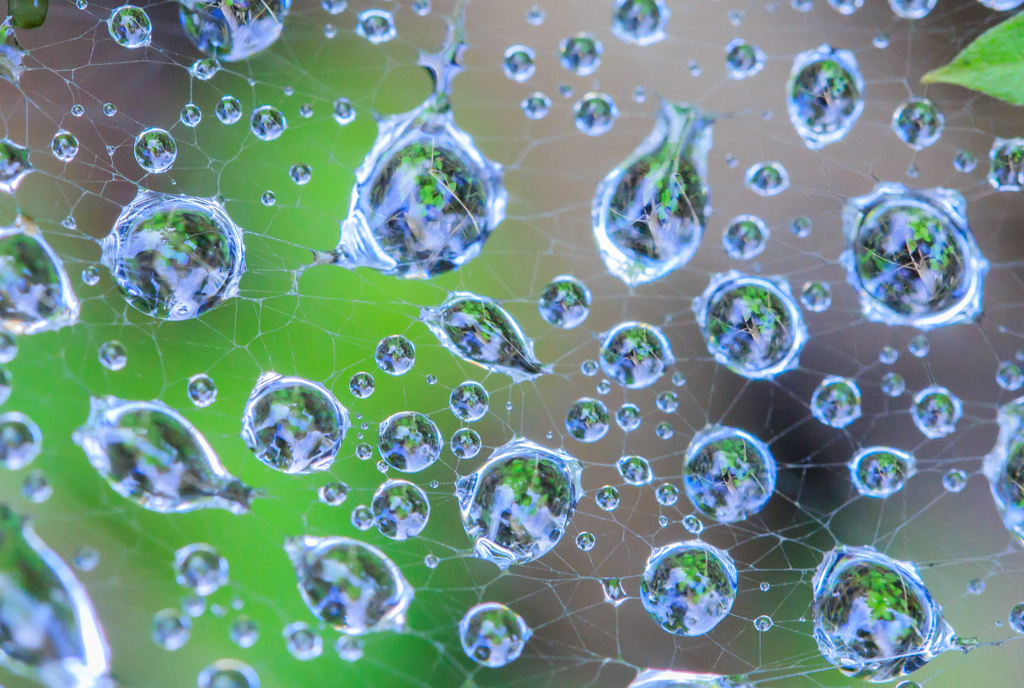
pixel 992 64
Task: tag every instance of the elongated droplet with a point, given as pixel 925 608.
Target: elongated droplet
pixel 11 52
pixel 881 471
pixel 50 631
pixel 231 30
pixel 518 504
pixel 873 617
pixel 174 257
pixel 635 355
pixel 650 212
pixel 665 678
pixel 688 587
pixel 478 330
pixel 824 95
pixel 150 454
pixel 350 585
pixel 425 198
pixel 1004 468
pixel 912 258
pixel 35 291
pixel 492 634
pixel 728 474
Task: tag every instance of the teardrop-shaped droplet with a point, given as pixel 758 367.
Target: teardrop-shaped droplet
pixel 50 631
pixel 912 258
pixel 35 291
pixel 518 504
pixel 293 425
pixel 728 474
pixel 350 585
pixel 478 330
pixel 425 198
pixel 174 257
pixel 635 355
pixel 649 213
pixel 400 509
pixel 824 95
pixel 665 678
pixel 752 325
pixel 640 22
pixel 492 634
pixel 881 471
pixel 688 587
pixel 1004 468
pixel 873 617
pixel 150 454
pixel 231 30
pixel 11 53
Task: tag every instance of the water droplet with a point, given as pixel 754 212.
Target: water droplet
pixel 364 452
pixel 130 27
pixel 846 7
pixel 745 237
pixel 409 441
pixel 64 146
pixel 201 568
pixel 469 401
pixel 351 649
pixel 362 516
pixel 268 198
pixel 1009 376
pixel 912 9
pixel 333 494
pixel 536 105
pixel 205 69
pixel 667 401
pixel 35 292
pixel 880 41
pixel 587 420
pixel 765 587
pixel 836 401
pixel 873 617
pixel 824 95
pixel 800 227
pixel 36 488
pixel 77 110
pixel 112 355
pixel 87 558
pixel 422 8
pixel 535 16
pixel 767 178
pixel 678 379
pixel 518 63
pixel 361 385
pixel 302 642
pixel 816 296
pixel 171 629
pixel 742 59
pixel 728 474
pixel 635 470
pixel 233 31
pixel 400 509
pixel 191 115
pixel 150 454
pixel 1006 164
pixel 532 491
pixel 267 123
pixel 965 161
pixel 614 594
pixel 663 678
pixel 693 524
pixel 976 587
pixel 333 7
pixel 201 390
pixel 228 673
pixel 763 623
pixel 751 325
pixel 565 302
pixel 918 123
pixel 888 355
pixel 607 498
pixel 155 150
pixel 1016 618
pixel 640 22
pixel 376 26
pixel 935 411
pixel 1004 468
pixel 664 431
pixel 585 541
pixel 635 355
pixel 918 346
pixel 466 443
pixel 628 417
pixel 492 634
pixel 343 111
pixel 881 471
pixel 580 54
pixel 300 173
pixel 954 480
pixel 694 68
pixel 431 561
pixel 595 113
pixel 174 257
pixel 477 329
pixel 688 587
pixel 350 585
pixel 244 631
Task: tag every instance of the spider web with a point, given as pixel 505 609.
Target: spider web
pixel 322 323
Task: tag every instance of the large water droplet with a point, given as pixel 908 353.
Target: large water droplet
pixel 836 401
pixel 873 617
pixel 635 355
pixel 174 257
pixel 518 504
pixel 751 325
pixel 150 454
pixel 35 291
pixel 409 441
pixel 350 585
pixel 478 330
pixel 650 212
pixel 640 22
pixel 232 30
pixel 881 471
pixel 130 27
pixel 1004 468
pixel 664 678
pixel 1006 164
pixel 824 95
pixel 918 123
pixel 935 411
pixel 492 634
pixel 400 509
pixel 51 633
pixel 728 474
pixel 267 123
pixel 688 587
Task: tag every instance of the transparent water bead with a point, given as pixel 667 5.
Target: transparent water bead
pixel 35 291
pixel 302 642
pixel 228 673
pixel 580 54
pixel 1006 164
pixel 1009 376
pixel 816 296
pixel 233 30
pixel 824 95
pixel 728 474
pixel 649 213
pixel 350 585
pixel 201 568
pixel 912 9
pixel 595 113
pixel 918 346
pixel 293 425
pixel 688 587
pixel 873 617
pixel 395 355
pixel 664 678
pixel 376 26
pixel 767 178
pixel 20 440
pixel 635 470
pixel 492 634
pixel 201 390
pixel 130 27
pixel 614 594
pixel 400 509
pixel 518 504
pixel 742 59
pixel 745 237
pixel 64 146
pixel 228 109
pixel 536 105
pixel 628 417
pixel 881 471
pixel 171 629
pixel 607 498
pixel 244 631
pixel 205 69
pixel 565 302
pixel 1004 467
pixel 954 480
pixel 361 385
pixel 150 454
pixel 155 150
pixel 50 630
pixel 640 22
pixel 465 443
pixel 190 115
pixel 477 329
pixel 918 123
pixel 334 6
pixel 409 441
pixel 344 113
pixel 112 355
pixel 1016 618
pixel 836 401
pixel 425 198
pixel 751 324
pixel 267 123
pixel 11 52
pixel 935 411
pixel 174 257
pixel 518 63
pixel 36 487
pixel 468 401
pixel 635 355
pixel 333 494
pixel 14 165
pixel 587 420
pixel 911 256
pixel 965 161
pixel 846 7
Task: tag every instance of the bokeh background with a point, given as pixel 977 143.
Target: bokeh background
pixel 322 323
